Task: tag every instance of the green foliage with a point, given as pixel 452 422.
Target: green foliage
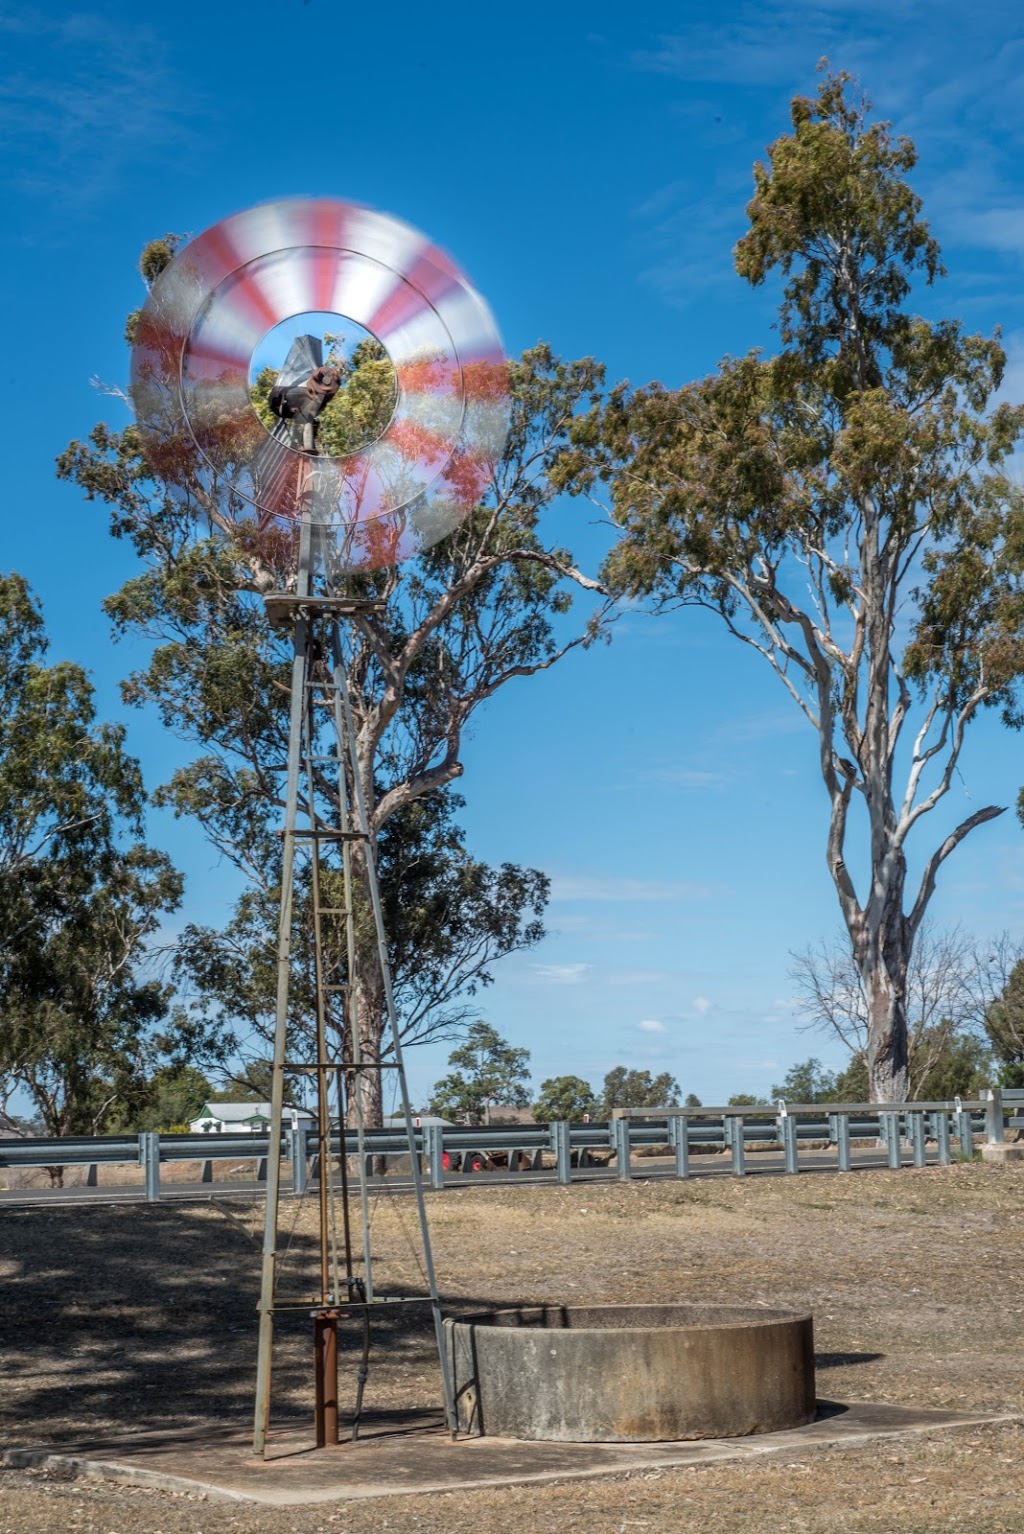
pixel 488 1070
pixel 746 1100
pixel 564 1097
pixel 962 1067
pixel 807 1082
pixel 77 904
pixel 157 255
pixel 155 258
pixel 638 1089
pixel 64 780
pixel 810 497
pixel 837 183
pixel 1004 1025
pixel 691 1100
pixel 852 1085
pixel 177 1095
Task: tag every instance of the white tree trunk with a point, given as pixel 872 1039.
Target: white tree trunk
pixel 368 998
pixel 887 1035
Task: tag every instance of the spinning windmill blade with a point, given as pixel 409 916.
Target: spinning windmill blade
pixel 209 310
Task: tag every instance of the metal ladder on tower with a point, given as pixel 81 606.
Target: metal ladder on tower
pixel 320 680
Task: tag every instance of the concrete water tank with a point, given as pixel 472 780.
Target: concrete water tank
pixel 632 1373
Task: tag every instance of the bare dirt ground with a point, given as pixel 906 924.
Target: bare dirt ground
pixel 123 1318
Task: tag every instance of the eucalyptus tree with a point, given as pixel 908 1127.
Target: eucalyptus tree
pixel 488 1071
pixel 843 508
pixel 637 1089
pixel 564 1097
pixel 81 895
pixel 487 606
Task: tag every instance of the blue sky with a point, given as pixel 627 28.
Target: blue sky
pixel 588 165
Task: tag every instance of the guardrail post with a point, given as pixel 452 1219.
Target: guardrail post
pixel 839 1129
pixel 736 1145
pixel 890 1126
pixel 994 1132
pixel 787 1134
pixel 916 1123
pixel 679 1139
pixel 297 1157
pixel 622 1149
pixel 149 1160
pixel 560 1146
pixel 433 1135
pixel 90 1175
pixel 965 1132
pixel 207 1172
pixel 940 1125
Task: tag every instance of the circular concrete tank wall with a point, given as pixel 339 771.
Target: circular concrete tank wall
pixel 632 1373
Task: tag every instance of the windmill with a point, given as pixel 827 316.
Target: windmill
pixel 326 520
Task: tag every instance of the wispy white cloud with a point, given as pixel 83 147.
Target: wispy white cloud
pixel 562 974
pixel 1000 229
pixel 82 99
pixel 602 928
pixel 635 977
pixel 651 1025
pixel 689 244
pixel 610 887
pixel 758 48
pixel 766 724
pixel 687 777
pixel 702 1005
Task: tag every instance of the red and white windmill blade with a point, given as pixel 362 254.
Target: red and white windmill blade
pixel 210 308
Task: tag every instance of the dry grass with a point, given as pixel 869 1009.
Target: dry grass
pixel 143 1315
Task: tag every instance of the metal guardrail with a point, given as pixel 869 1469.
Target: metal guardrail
pixel 684 1131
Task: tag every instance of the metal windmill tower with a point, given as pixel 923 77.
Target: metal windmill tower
pixel 323 519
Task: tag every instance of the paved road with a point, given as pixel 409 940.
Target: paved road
pixel 758 1164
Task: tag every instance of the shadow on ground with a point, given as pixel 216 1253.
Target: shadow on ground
pixel 844 1360
pixel 122 1319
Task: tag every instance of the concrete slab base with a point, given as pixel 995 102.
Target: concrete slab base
pixel 1003 1152
pixel 409 1453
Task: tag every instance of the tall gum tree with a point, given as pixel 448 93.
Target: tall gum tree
pixel 842 507
pixel 487 606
